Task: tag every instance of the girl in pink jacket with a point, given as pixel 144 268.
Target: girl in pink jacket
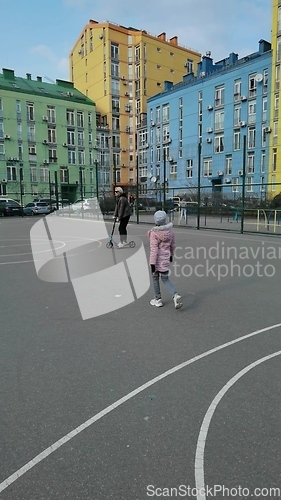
pixel 162 246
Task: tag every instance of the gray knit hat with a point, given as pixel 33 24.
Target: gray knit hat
pixel 160 218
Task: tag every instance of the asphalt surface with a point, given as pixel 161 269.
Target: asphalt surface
pixel 163 403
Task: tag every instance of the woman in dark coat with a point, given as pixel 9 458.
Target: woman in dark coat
pixel 122 214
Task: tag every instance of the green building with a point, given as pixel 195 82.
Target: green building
pixel 47 139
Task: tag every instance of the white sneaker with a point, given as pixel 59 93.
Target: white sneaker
pixel 177 301
pixel 156 302
pixel 120 245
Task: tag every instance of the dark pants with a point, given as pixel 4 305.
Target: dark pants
pixel 123 228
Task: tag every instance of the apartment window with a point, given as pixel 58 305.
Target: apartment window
pixel 165 111
pixel 273 181
pixel 137 53
pixel 80 138
pixel 237 116
pixel 236 140
pixel 207 167
pixel 237 90
pixel 115 123
pixel 219 120
pixel 265 81
pixel 70 137
pixel 219 96
pixel 251 138
pixel 189 168
pixel 31 133
pixel 158 115
pixel 81 157
pixel 200 111
pixel 158 154
pixel 52 155
pixel 252 86
pixel 158 140
pixel 250 163
pixel 19 131
pixel 18 108
pixel 44 174
pixel 166 133
pixel 90 120
pixel 70 117
pixel 276 106
pixel 115 87
pixel 115 104
pixel 2 151
pixel 173 170
pixel 264 109
pixel 189 65
pixel 278 51
pixel 277 78
pixel 262 185
pixel 30 111
pixel 71 157
pixel 64 174
pixel 80 119
pixel 252 112
pixel 115 69
pixel 249 184
pixel 11 173
pixel 219 143
pixel 263 162
pixel 33 174
pixel 235 183
pixel 51 113
pixel 116 158
pixel 274 160
pixel 52 137
pixel 228 165
pixel 279 19
pixel 114 51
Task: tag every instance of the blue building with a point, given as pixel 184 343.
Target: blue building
pixel 209 130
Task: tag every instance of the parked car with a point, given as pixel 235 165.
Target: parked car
pixel 8 206
pixel 86 205
pixel 37 208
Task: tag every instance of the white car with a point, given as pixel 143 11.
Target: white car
pixel 85 205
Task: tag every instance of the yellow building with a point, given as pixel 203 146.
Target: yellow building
pixel 274 167
pixel 119 68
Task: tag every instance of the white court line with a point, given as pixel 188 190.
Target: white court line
pixel 200 448
pixel 44 454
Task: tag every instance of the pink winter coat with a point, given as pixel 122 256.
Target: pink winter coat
pixel 162 246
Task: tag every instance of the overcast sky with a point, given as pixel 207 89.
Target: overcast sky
pixel 37 37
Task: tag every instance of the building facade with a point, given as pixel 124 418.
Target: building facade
pixel 274 168
pixel 119 68
pixel 212 129
pixel 47 137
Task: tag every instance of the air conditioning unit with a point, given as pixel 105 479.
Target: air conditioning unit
pixel 65 145
pixel 45 141
pixel 69 94
pixel 16 159
pixel 100 36
pixel 123 150
pixel 46 162
pixel 209 140
pixel 210 107
pixel 4 181
pixel 127 94
pixel 45 118
pixel 6 136
pixel 152 124
pixel 127 107
pixel 227 181
pixel 267 130
pixel 219 172
pixel 123 77
pixel 170 158
pixel 209 130
pixel 243 98
pixel 242 124
pixel 79 51
pixel 146 145
pixel 10 158
pixel 127 129
pixel 202 74
pixel 240 172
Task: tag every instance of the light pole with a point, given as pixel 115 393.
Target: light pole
pixel 97 178
pixel 164 183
